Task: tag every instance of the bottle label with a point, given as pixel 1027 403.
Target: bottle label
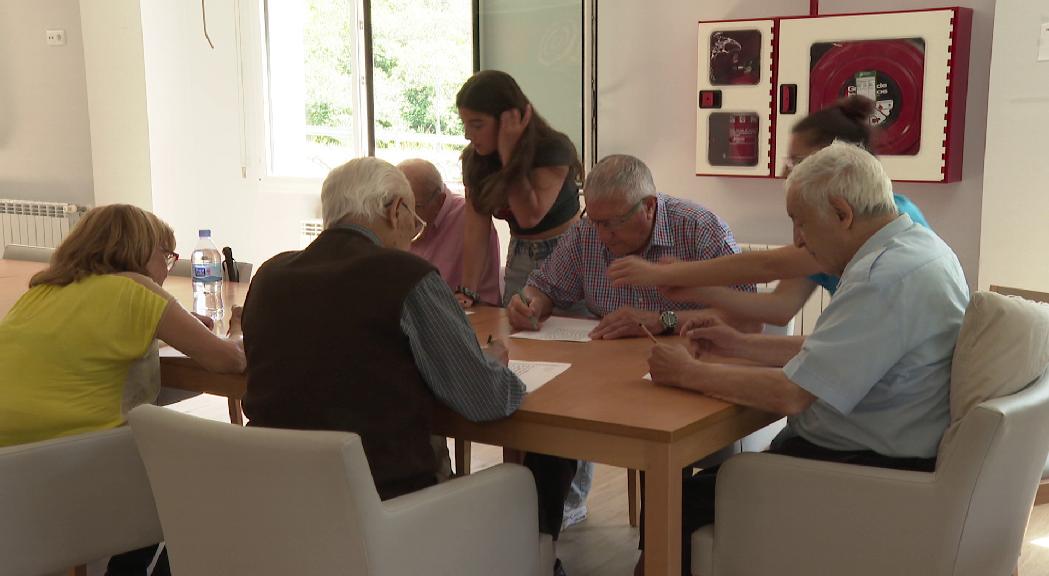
pixel 207 272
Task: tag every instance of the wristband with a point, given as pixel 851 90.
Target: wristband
pixel 468 293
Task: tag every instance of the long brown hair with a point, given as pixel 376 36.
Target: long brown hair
pixel 107 240
pixel 493 92
pixel 847 119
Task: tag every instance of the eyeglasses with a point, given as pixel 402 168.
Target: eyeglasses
pixel 170 258
pixel 429 199
pixel 420 224
pixel 613 223
pixel 790 163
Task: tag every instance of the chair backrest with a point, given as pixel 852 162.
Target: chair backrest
pixel 184 269
pixel 28 253
pixel 72 500
pixel 989 472
pixel 257 501
pixel 1033 296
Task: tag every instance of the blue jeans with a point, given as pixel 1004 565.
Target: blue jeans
pixel 522 257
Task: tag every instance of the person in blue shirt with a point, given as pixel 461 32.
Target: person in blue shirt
pixel 869 386
pixel 707 282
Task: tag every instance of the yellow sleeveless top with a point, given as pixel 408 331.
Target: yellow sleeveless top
pixel 65 352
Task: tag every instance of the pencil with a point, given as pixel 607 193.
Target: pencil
pixel 524 298
pixel 649 334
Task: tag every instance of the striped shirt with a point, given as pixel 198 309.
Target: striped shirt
pixel 577 270
pixel 450 360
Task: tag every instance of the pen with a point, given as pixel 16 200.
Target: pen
pixel 524 298
pixel 650 336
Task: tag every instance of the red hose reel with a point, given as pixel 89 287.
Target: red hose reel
pixel 889 72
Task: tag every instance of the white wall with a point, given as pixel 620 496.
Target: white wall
pixel 166 126
pixel 116 101
pixel 647 107
pixel 1015 223
pixel 45 142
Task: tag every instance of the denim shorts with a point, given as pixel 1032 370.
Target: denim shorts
pixel 522 257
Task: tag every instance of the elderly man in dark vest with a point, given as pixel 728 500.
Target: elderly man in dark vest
pixel 355 333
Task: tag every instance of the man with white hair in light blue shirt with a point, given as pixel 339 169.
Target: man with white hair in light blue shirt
pixel 870 384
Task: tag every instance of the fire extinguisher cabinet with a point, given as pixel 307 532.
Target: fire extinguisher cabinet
pixel 757 79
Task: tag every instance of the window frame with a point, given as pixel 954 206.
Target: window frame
pixel 253 65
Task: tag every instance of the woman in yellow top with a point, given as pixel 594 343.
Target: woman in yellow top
pixel 68 344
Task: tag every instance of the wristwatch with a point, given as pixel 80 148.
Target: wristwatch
pixel 669 320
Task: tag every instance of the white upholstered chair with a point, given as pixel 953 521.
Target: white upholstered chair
pixel 1042 496
pixel 73 500
pixel 790 516
pixel 259 501
pixel 28 253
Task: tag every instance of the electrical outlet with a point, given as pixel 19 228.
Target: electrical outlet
pixel 56 37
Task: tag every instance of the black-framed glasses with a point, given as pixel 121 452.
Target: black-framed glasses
pixel 613 223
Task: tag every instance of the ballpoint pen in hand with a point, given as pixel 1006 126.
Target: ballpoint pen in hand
pixel 528 302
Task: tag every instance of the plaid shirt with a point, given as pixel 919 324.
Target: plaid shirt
pixel 578 267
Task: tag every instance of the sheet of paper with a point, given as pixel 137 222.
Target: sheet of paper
pixel 468 312
pixel 169 352
pixel 535 374
pixel 561 329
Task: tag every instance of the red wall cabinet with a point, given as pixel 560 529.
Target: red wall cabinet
pixel 758 78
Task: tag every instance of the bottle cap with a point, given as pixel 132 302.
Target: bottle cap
pixel 204 234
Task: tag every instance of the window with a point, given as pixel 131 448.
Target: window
pixel 317 95
pixel 422 52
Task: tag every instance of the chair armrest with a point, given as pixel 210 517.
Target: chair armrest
pixel 484 523
pixel 783 515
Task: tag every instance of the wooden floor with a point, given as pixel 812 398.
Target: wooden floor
pixel 605 544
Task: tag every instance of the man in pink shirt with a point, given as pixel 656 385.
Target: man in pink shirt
pixel 442 242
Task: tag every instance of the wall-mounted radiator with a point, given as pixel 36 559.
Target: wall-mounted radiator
pixel 37 223
pixel 308 231
pixel 805 321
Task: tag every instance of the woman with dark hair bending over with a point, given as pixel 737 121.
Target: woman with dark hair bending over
pixel 705 281
pixel 516 168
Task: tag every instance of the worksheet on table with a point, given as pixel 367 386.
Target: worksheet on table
pixel 561 329
pixel 535 374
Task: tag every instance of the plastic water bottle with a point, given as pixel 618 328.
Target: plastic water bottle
pixel 207 277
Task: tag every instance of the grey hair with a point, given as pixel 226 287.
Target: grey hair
pixel 361 189
pixel 619 175
pixel 849 172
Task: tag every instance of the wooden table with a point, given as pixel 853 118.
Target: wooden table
pixel 600 410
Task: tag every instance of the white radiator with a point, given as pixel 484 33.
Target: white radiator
pixel 805 321
pixel 30 223
pixel 308 231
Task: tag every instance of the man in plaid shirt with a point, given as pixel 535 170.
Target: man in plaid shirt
pixel 624 216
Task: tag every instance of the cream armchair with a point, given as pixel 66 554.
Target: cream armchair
pixel 73 500
pixel 258 501
pixel 793 517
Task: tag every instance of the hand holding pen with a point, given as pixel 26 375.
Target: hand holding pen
pixel 496 350
pixel 521 312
